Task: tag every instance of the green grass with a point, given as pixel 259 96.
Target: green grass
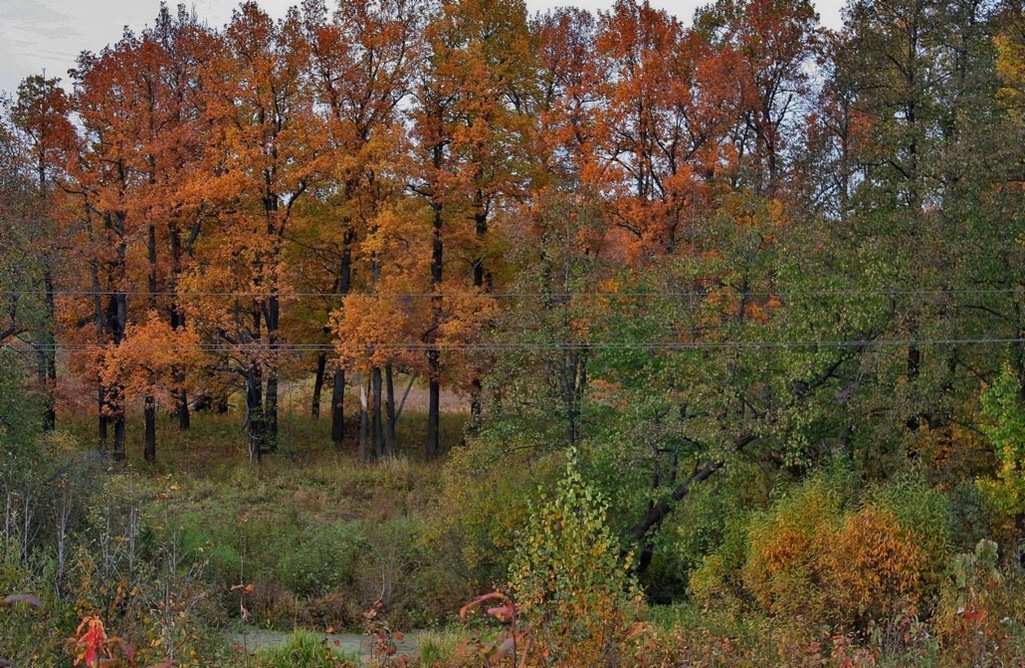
pixel 215 445
pixel 319 534
pixel 306 649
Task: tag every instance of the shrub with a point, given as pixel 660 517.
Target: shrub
pixel 314 559
pixel 979 619
pixel 817 557
pixel 306 649
pixel 482 505
pixel 781 569
pixel 438 648
pixel 870 571
pixel 717 582
pixel 574 589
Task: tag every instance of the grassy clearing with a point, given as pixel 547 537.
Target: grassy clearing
pixel 318 534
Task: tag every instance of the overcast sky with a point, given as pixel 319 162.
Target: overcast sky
pixel 38 35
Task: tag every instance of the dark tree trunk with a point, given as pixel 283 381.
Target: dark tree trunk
pixel 342 285
pixel 481 280
pixel 318 385
pixel 433 353
pixel 120 452
pixel 103 422
pixel 433 407
pixel 182 401
pixel 114 397
pixel 377 413
pixel 150 415
pixel 476 394
pixel 115 321
pixel 338 406
pixel 270 415
pixel 389 434
pixel 574 382
pixel 101 392
pixel 115 394
pixel 149 410
pixel 49 376
pixel 178 322
pixel 254 413
pixel 272 319
pixel 913 367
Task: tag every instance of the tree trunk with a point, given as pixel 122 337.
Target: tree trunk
pixel 476 393
pixel 120 452
pixel 150 415
pixel 116 392
pixel 101 393
pixel 338 406
pixel 433 354
pixel 103 422
pixel 574 382
pixel 177 323
pixel 272 319
pixel 433 407
pixel 342 284
pixel 115 321
pixel 182 401
pixel 377 404
pixel 254 413
pixel 481 280
pixel 49 376
pixel 389 434
pixel 270 415
pixel 318 385
pixel 149 411
pixel 363 420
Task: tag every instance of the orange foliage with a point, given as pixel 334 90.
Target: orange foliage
pixel 872 570
pixel 807 563
pixel 146 361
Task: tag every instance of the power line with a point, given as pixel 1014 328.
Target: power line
pixel 542 346
pixel 523 295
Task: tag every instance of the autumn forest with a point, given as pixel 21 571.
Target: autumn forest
pixel 695 342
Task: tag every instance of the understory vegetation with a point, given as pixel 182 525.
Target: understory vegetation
pixel 638 342
pixel 180 560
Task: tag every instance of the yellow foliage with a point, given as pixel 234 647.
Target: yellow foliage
pixel 1011 68
pixel 781 564
pixel 873 569
pixel 484 497
pixel 806 562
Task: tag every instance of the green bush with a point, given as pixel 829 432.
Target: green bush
pixel 305 649
pixel 485 490
pixel 311 560
pixel 573 587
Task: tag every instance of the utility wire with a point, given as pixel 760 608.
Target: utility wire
pixel 545 345
pixel 523 295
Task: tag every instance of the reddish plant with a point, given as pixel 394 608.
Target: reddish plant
pixel 91 643
pixel 512 643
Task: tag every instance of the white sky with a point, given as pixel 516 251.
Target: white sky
pixel 38 35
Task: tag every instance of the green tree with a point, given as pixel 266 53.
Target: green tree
pixel 41 115
pixel 570 581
